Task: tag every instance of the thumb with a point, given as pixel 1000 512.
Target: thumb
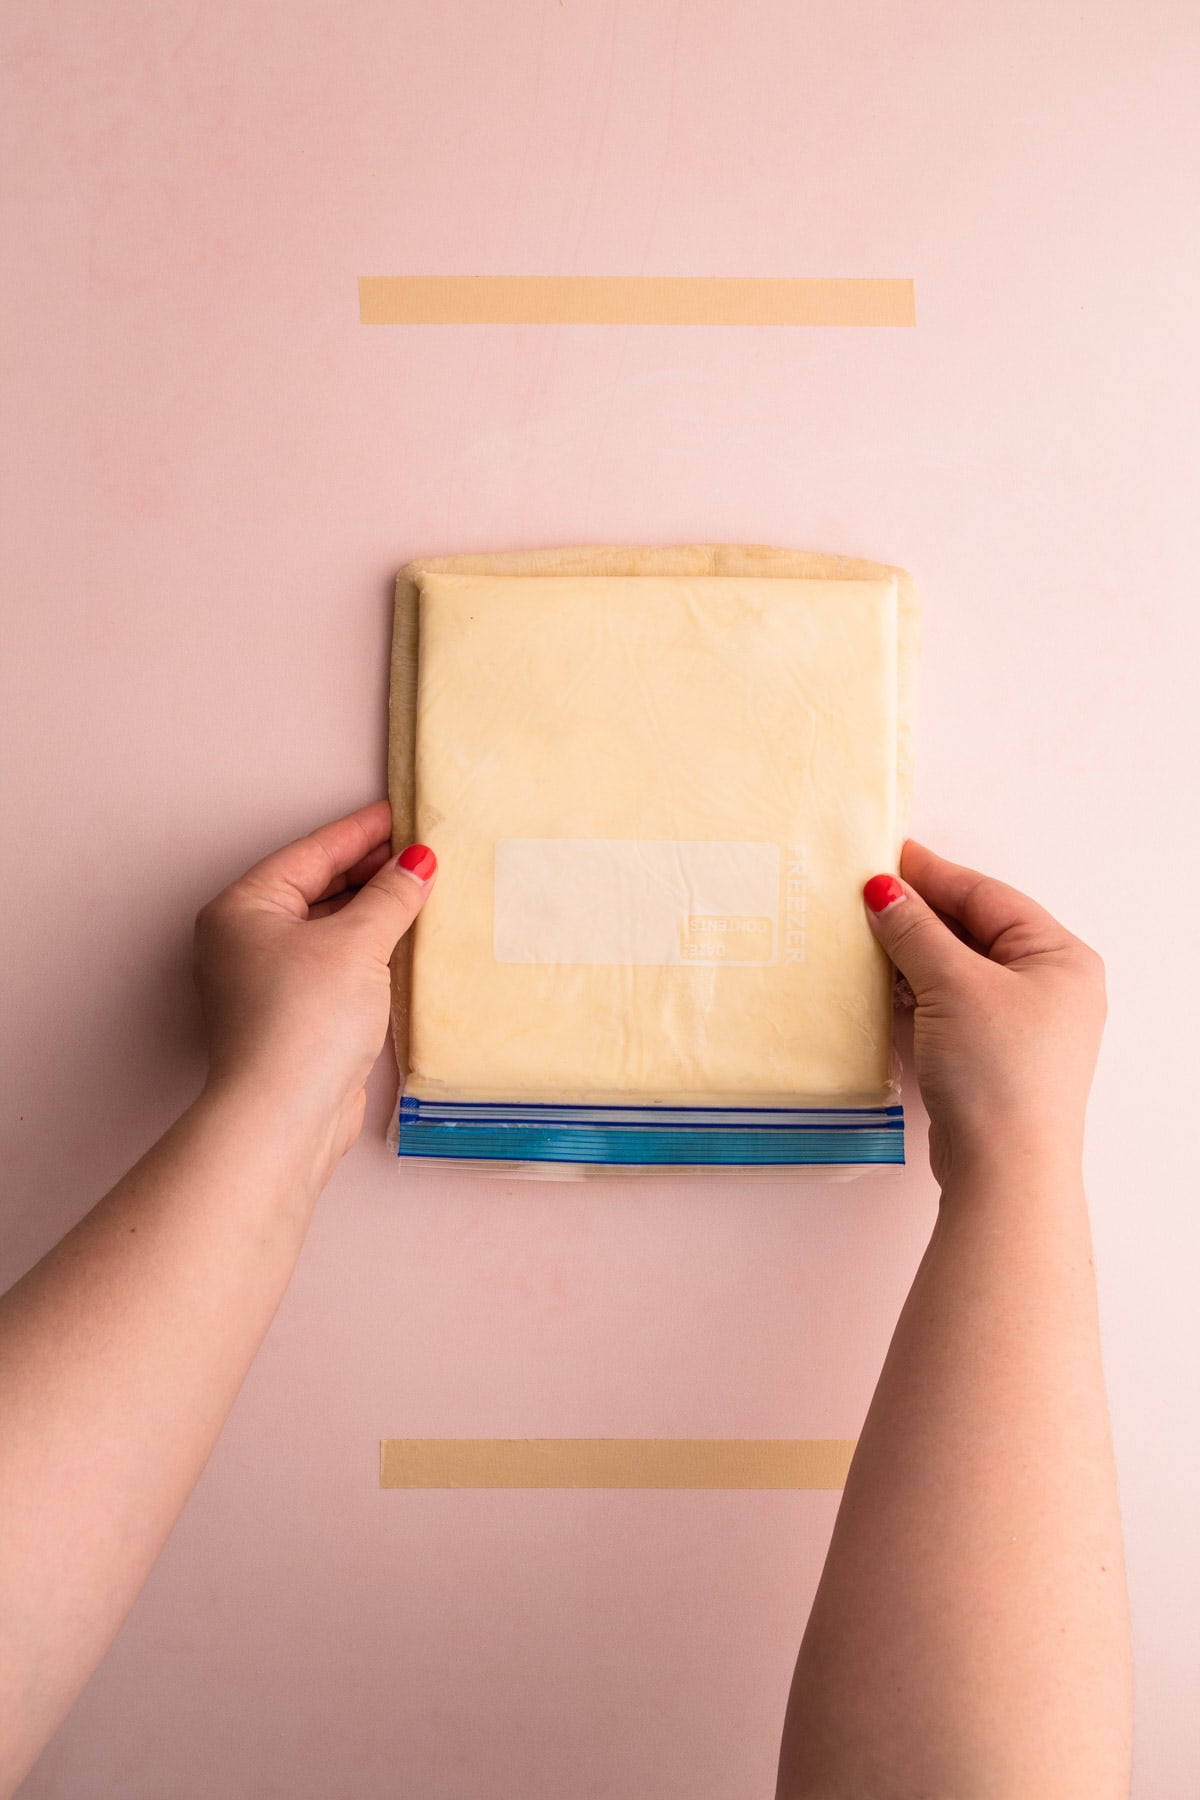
pixel 386 906
pixel 925 951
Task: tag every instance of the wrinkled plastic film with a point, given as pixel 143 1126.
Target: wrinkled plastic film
pixel 654 800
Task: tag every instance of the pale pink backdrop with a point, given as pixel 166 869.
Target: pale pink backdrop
pixel 212 474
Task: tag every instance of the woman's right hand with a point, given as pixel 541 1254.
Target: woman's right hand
pixel 1009 1013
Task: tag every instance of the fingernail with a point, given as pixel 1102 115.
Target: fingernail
pixel 883 891
pixel 417 860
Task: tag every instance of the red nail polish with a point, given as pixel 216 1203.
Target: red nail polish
pixel 417 860
pixel 882 891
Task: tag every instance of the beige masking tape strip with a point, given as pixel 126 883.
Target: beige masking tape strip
pixel 614 1462
pixel 631 300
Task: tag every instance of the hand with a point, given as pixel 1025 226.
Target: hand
pixel 292 966
pixel 1010 1009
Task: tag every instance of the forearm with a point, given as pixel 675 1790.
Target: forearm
pixel 969 1637
pixel 121 1353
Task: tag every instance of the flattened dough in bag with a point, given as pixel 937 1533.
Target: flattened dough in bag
pixel 655 782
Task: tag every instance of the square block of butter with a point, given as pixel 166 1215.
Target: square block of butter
pixel 655 782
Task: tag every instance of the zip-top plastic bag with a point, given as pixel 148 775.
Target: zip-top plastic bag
pixel 655 781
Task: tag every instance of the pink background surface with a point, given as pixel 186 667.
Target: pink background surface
pixel 213 472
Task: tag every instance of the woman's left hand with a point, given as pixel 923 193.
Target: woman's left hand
pixel 292 965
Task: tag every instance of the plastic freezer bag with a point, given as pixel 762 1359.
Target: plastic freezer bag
pixel 655 782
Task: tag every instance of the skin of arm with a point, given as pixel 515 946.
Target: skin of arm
pixel 970 1637
pixel 122 1351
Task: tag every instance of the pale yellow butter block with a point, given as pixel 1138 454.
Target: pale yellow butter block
pixel 654 797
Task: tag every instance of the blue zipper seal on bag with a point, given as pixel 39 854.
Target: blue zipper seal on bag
pixel 650 1136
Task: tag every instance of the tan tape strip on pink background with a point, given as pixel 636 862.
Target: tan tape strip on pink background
pixel 631 300
pixel 614 1462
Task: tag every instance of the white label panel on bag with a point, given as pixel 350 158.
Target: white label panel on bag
pixel 636 900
